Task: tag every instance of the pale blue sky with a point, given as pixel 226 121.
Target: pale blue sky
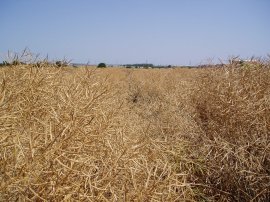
pixel 134 31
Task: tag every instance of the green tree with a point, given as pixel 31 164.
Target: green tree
pixel 61 63
pixel 101 65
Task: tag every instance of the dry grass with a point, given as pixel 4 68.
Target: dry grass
pixel 134 135
pixel 233 109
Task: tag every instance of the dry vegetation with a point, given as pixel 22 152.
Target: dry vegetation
pixel 134 135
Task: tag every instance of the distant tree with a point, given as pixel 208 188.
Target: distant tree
pixel 101 65
pixel 58 63
pixel 61 63
pixel 5 63
pixel 16 62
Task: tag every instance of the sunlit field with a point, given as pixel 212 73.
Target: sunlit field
pixel 117 134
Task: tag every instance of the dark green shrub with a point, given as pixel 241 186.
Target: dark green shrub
pixel 101 65
pixel 61 63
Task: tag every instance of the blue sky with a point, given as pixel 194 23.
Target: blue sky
pixel 184 32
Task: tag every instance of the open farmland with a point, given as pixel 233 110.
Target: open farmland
pixel 118 134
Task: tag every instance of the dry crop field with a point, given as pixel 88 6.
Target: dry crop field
pixel 118 134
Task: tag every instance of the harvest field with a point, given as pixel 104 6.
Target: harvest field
pixel 117 134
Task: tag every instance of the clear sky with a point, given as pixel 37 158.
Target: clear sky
pixel 184 32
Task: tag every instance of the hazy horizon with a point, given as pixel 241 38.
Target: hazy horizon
pixel 142 31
